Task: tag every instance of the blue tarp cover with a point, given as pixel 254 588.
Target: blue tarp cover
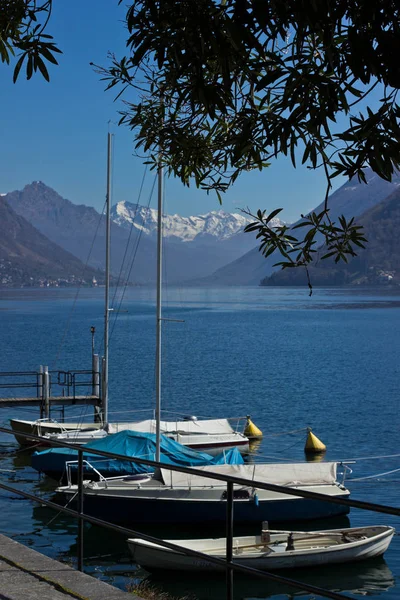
pixel 134 444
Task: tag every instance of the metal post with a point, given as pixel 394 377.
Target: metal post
pixel 159 303
pixel 96 375
pixel 46 392
pixel 40 389
pixel 80 510
pixel 96 386
pixel 92 331
pixel 107 280
pixel 103 361
pixel 229 541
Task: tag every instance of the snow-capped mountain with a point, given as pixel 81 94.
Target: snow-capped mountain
pixel 218 225
pixel 192 247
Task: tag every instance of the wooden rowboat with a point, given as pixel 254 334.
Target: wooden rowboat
pixel 272 550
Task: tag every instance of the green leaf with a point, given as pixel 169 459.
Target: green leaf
pixel 328 255
pixel 29 66
pixel 42 68
pixel 272 215
pixel 18 67
pixel 48 55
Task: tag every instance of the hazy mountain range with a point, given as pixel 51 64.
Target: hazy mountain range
pixel 193 246
pixel 208 249
pixel 379 263
pixel 351 199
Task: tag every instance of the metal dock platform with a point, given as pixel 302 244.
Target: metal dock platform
pixel 48 389
pixel 53 400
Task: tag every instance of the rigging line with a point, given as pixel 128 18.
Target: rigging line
pixel 136 247
pixel 132 261
pixel 373 476
pixel 282 458
pixel 78 290
pixel 130 235
pixel 371 457
pixel 167 378
pixel 286 432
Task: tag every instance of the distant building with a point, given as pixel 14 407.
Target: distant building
pixel 385 276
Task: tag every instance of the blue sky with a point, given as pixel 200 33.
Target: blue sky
pixel 56 132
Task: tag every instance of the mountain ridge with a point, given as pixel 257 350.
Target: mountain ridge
pixel 218 224
pixel 27 257
pixel 351 199
pixel 81 230
pixel 378 263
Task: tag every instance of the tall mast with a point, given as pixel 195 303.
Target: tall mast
pixel 107 282
pixel 159 316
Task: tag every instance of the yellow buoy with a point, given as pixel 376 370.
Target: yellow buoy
pixel 251 431
pixel 313 444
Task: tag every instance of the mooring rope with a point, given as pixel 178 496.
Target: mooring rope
pixel 48 522
pixel 370 457
pixel 373 476
pixel 293 431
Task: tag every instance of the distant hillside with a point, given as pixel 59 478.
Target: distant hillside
pixel 28 258
pixel 351 199
pixel 379 263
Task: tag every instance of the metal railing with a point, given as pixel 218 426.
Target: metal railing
pixel 69 381
pixel 18 380
pixel 226 563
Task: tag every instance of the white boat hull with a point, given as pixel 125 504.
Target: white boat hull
pixel 42 428
pixel 311 549
pixel 211 442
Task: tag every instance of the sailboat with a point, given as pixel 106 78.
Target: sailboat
pixel 212 436
pixel 173 497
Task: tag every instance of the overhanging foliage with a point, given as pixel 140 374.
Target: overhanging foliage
pixel 22 33
pixel 225 86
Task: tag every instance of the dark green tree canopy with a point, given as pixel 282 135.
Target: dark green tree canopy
pixel 225 86
pixel 22 33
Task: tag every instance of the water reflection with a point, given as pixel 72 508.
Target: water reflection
pixel 106 555
pixel 314 457
pixel 360 579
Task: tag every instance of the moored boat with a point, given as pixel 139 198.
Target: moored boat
pixel 204 435
pixel 61 463
pixel 174 497
pixel 271 551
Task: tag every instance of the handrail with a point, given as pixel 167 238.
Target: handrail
pixel 70 379
pixel 218 561
pixel 230 481
pixel 84 462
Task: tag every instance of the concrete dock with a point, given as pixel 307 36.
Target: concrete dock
pixel 28 575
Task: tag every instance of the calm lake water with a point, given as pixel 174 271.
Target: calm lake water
pixel 331 362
